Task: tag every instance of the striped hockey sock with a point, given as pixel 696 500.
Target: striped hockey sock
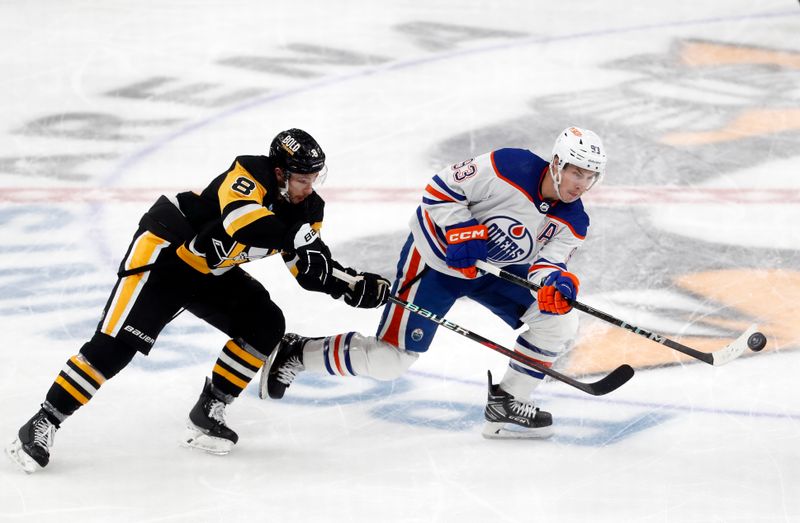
pixel 75 385
pixel 237 365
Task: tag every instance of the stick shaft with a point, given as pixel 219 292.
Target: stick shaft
pixel 608 383
pixel 663 340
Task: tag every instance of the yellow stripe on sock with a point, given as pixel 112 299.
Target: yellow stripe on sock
pixel 230 377
pixel 72 390
pixel 243 354
pixel 86 367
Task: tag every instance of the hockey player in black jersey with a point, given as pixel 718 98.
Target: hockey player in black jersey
pixel 186 256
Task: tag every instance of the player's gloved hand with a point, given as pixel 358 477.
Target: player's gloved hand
pixel 466 243
pixel 314 259
pixel 556 289
pixel 370 291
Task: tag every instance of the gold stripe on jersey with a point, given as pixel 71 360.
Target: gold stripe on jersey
pixel 145 250
pixel 230 376
pixel 239 185
pixel 193 260
pixel 244 216
pixel 83 400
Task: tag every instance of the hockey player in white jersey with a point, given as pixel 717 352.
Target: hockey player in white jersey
pixel 511 208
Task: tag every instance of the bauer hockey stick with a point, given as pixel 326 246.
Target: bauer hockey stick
pixel 608 383
pixel 750 338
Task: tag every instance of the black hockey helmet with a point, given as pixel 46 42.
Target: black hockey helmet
pixel 297 152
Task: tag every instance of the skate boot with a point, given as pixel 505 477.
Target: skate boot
pixel 206 429
pixel 287 365
pixel 31 449
pixel 507 417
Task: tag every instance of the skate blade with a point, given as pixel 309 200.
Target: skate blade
pixel 262 380
pixel 493 430
pixel 195 438
pixel 25 463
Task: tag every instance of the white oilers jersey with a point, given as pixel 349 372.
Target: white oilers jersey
pixel 501 190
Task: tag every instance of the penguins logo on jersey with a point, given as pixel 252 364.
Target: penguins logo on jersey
pixel 509 240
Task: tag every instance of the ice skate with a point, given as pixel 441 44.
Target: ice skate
pixel 206 429
pixel 507 417
pixel 287 365
pixel 30 451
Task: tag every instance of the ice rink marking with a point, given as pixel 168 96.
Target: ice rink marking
pixel 126 164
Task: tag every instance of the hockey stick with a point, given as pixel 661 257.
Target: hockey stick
pixel 718 357
pixel 610 382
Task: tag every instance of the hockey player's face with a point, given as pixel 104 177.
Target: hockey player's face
pixel 300 186
pixel 574 182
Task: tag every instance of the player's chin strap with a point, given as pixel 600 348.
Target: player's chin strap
pixel 718 357
pixel 608 383
pixel 556 176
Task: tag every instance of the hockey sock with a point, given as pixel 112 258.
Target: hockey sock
pixel 238 363
pixel 74 386
pixel 519 379
pixel 330 355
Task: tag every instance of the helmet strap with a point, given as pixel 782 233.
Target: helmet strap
pixel 283 189
pixel 556 176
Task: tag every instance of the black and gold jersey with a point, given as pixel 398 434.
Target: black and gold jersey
pixel 241 216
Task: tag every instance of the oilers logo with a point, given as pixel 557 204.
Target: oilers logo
pixel 509 240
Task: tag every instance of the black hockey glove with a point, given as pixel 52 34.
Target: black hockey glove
pixel 370 291
pixel 313 256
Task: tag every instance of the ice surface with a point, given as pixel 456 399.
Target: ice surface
pixel 105 105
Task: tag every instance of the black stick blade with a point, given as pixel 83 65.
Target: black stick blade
pixel 616 379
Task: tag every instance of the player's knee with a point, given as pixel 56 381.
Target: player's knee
pixel 381 360
pixel 263 328
pixel 106 354
pixel 388 363
pixel 552 332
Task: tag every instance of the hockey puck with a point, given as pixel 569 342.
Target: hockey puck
pixel 757 341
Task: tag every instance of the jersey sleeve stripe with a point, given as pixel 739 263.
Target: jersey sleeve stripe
pixel 428 201
pixel 244 216
pixel 430 190
pixel 569 225
pixel 443 186
pixel 430 235
pixel 539 266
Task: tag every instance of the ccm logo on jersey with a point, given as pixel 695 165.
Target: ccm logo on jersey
pixel 478 232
